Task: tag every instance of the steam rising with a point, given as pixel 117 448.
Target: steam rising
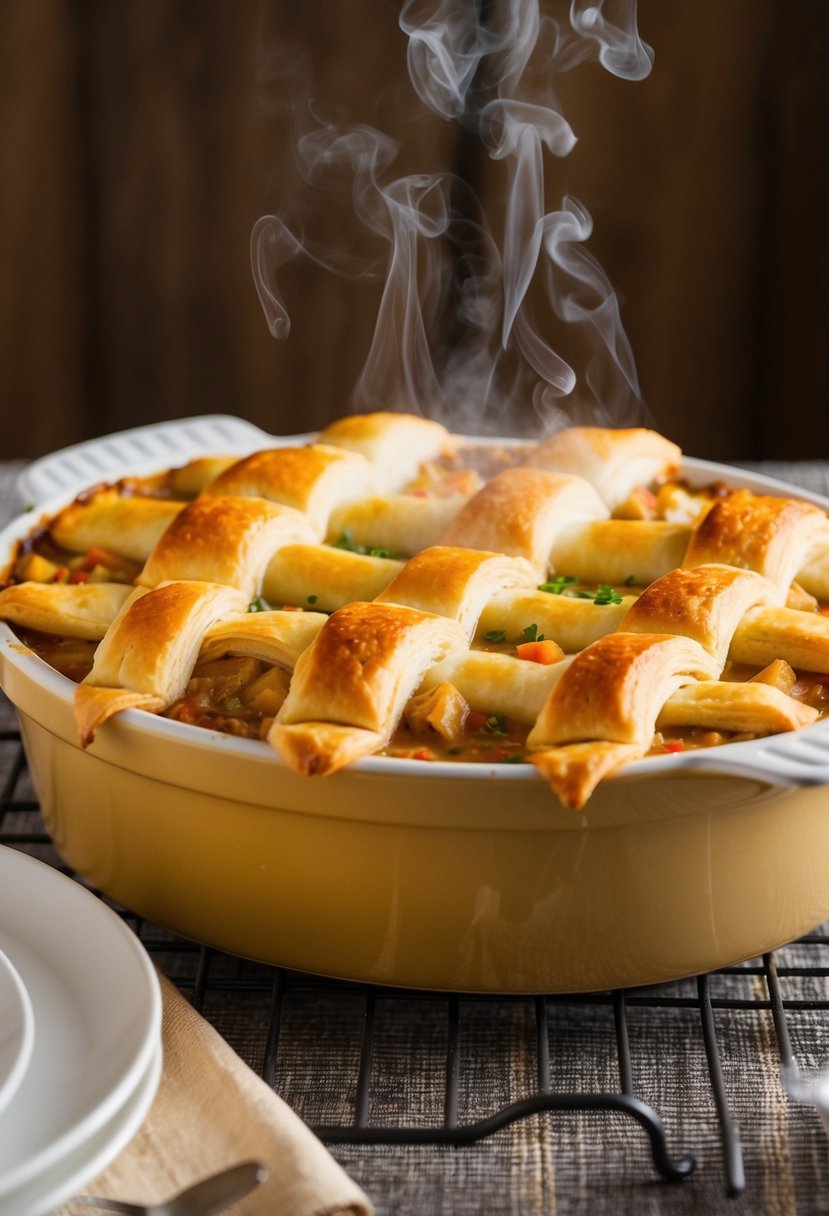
pixel 496 78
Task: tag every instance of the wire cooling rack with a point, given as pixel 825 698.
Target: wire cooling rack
pixel 259 1004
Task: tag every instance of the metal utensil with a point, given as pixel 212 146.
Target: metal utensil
pixel 210 1195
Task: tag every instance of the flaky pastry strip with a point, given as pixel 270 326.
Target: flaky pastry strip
pixel 521 512
pixel 620 550
pixel 705 603
pixel 492 682
pixel 150 649
pixel 314 479
pixel 396 444
pixel 128 526
pixel 573 623
pixel 574 771
pixel 759 709
pixel 614 461
pixel 456 583
pixel 82 610
pixel 325 578
pixel 359 672
pixel 765 634
pixel 615 688
pixel 225 540
pixel 773 536
pixel 401 524
pixel 277 638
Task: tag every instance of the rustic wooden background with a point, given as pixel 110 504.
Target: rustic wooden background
pixel 141 139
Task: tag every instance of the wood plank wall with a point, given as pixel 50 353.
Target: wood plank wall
pixel 141 139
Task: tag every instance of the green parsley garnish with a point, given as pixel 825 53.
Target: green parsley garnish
pixel 531 634
pixel 557 585
pixel 517 759
pixel 496 723
pixel 260 604
pixel 605 594
pixel 312 599
pixel 495 635
pixel 346 541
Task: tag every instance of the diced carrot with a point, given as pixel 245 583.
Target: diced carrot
pixel 545 651
pixel 474 721
pixel 79 576
pixel 420 493
pixel 674 745
pixel 422 753
pixel 99 557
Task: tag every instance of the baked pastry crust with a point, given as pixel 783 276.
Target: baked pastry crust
pixel 358 673
pixel 313 480
pixel 150 650
pixel 72 611
pixel 456 583
pixel 615 462
pixel 225 540
pixel 521 512
pixel 396 444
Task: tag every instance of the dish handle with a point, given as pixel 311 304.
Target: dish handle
pixel 140 450
pixel 783 760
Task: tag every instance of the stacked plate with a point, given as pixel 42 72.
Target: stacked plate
pixel 80 1036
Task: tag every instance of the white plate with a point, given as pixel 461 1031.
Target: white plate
pixel 66 1179
pixel 97 1012
pixel 16 1030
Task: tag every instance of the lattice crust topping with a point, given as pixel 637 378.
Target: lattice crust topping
pixel 578 609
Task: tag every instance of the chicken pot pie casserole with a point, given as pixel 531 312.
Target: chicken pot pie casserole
pixel 391 588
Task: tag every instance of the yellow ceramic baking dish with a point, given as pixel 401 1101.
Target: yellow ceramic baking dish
pixel 448 875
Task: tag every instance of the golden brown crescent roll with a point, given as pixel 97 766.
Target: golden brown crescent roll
pixel 491 682
pixel 765 634
pixel 620 550
pixel 398 523
pixel 83 610
pixel 196 475
pixel 277 638
pixel 773 536
pixel 324 577
pixel 814 575
pixel 573 623
pixel 456 582
pixel 126 525
pixel 314 479
pixel 150 650
pixel 396 444
pixel 521 512
pixel 759 709
pixel 611 694
pixel 357 676
pixel 615 462
pixel 225 540
pixel 705 603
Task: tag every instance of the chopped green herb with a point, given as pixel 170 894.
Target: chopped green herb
pixel 515 759
pixel 495 635
pixel 347 541
pixel 531 634
pixel 606 594
pixel 454 751
pixel 312 599
pixel 496 723
pixel 259 605
pixel 583 595
pixel 557 585
pixel 630 581
pixel 232 705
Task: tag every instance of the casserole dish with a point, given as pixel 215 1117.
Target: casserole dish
pixel 452 876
